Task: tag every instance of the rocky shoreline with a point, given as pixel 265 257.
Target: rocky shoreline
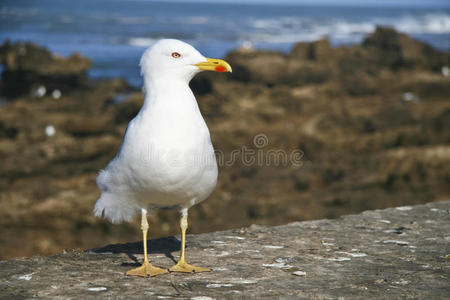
pixel 371 122
pixel 394 253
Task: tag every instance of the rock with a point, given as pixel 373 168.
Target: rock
pixel 202 84
pixel 127 109
pixel 82 126
pixel 442 122
pixel 265 66
pixel 7 131
pixel 356 256
pixel 395 50
pixel 353 67
pixel 320 50
pixel 27 65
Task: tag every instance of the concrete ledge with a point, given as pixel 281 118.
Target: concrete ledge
pixel 392 253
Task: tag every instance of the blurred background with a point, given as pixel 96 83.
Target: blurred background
pixel 360 89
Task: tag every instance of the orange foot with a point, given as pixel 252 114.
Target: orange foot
pixel 146 270
pixel 184 267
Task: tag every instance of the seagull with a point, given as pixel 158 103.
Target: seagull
pixel 166 158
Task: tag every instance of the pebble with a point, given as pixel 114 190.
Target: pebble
pixel 299 273
pixel 56 94
pixel 401 243
pixel 251 250
pixel 234 237
pixel 327 243
pixel 403 208
pixel 218 285
pixel 410 97
pixel 401 282
pixel 26 276
pixel 358 254
pixel 245 282
pixel 340 259
pixel 50 130
pixel 385 221
pixel 280 265
pixel 39 92
pixel 97 289
pixel 437 210
pixel 273 247
pixel 218 242
pixel 223 253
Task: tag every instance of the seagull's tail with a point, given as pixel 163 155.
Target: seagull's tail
pixel 114 209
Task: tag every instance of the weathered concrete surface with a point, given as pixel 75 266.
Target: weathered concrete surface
pixel 399 252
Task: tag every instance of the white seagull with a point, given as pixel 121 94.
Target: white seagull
pixel 166 158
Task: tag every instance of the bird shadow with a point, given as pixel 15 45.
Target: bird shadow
pixel 165 246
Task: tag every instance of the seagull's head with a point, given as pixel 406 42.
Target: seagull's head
pixel 169 58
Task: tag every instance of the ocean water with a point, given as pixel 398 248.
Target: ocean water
pixel 114 33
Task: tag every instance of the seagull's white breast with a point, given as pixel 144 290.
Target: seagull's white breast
pixel 167 157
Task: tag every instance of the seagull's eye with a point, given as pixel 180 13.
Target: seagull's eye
pixel 176 55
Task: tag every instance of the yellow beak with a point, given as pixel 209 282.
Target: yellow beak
pixel 213 64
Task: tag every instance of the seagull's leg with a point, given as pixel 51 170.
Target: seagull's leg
pixel 146 269
pixel 182 265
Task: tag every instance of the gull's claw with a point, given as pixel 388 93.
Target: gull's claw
pixel 146 270
pixel 184 267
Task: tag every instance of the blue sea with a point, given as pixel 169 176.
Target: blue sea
pixel 114 33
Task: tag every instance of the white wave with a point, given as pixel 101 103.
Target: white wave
pixel 428 24
pixel 343 29
pixel 141 41
pixel 289 29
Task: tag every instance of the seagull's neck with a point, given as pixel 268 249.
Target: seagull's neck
pixel 168 91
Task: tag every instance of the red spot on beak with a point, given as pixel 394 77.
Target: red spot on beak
pixel 220 69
